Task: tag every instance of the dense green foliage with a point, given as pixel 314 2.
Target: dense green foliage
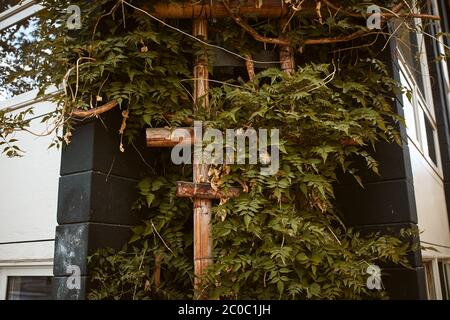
pixel 283 237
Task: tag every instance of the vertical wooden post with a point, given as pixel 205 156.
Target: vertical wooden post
pixel 202 207
pixel 287 60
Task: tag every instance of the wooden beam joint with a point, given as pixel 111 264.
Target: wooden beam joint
pixel 169 137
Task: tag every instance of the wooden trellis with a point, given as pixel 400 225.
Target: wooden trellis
pixel 200 189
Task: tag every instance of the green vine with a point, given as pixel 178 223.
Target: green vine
pixel 283 236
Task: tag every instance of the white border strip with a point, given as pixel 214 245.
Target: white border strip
pixel 18 12
pixel 31 269
pixel 26 99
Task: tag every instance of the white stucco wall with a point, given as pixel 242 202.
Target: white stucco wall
pixel 28 192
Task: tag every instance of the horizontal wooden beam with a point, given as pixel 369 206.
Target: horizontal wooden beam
pixel 268 9
pixel 216 9
pixel 169 137
pixel 204 191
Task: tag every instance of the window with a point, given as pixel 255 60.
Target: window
pixel 417 102
pixel 429 279
pixel 442 8
pixel 410 49
pixel 437 277
pixel 29 288
pixel 30 282
pixel 18 39
pixel 408 108
pixel 430 133
pixel 420 124
pixel 444 275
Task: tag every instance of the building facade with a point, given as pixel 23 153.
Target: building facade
pixel 66 191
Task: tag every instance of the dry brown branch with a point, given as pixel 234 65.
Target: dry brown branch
pixel 95 111
pixel 157 272
pixel 250 67
pixel 287 59
pixel 338 39
pixel 286 42
pixel 123 126
pixel 398 6
pixel 244 25
pixel 318 11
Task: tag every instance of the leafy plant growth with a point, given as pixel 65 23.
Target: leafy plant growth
pixel 282 237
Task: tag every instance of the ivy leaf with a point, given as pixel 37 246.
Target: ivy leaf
pixel 314 289
pixel 302 258
pixel 149 198
pixel 247 219
pixel 280 287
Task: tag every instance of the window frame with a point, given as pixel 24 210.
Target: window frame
pixel 439 10
pixel 420 110
pixel 432 264
pixel 422 102
pixel 10 17
pixel 434 269
pixel 25 270
pixel 19 12
pixel 425 97
pixel 446 278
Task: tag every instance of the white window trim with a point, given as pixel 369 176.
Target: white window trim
pixel 425 72
pixel 436 279
pixel 428 99
pixel 31 269
pixel 422 101
pixel 26 99
pixel 441 47
pixel 425 100
pixel 436 275
pixel 18 12
pixel 420 141
pixel 406 76
pixel 446 267
pixel 8 18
